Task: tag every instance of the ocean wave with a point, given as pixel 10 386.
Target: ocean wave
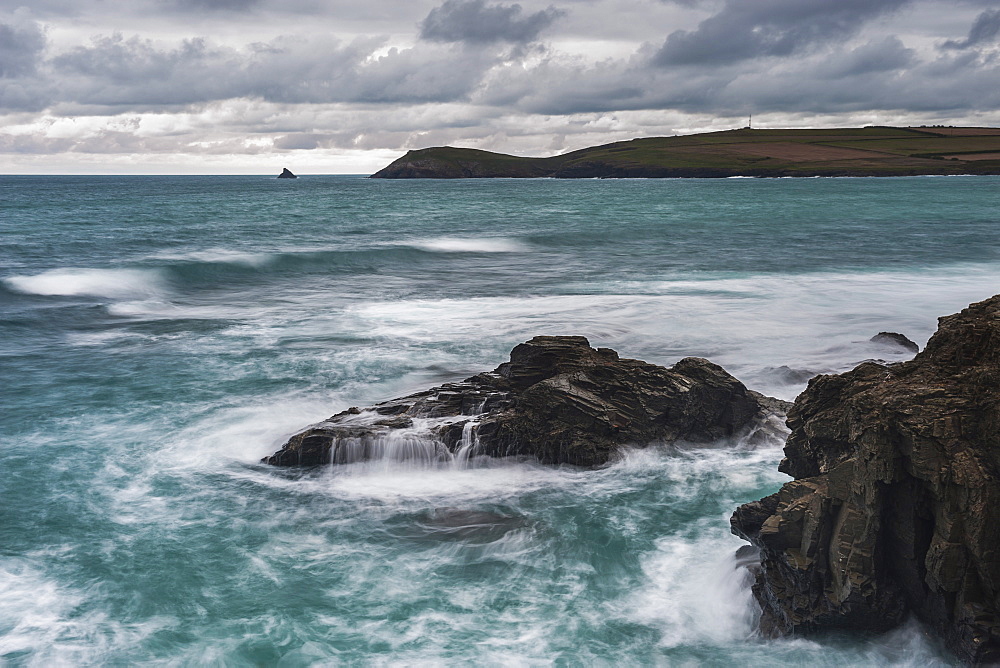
pixel 480 245
pixel 73 282
pixel 180 272
pixel 213 255
pixel 229 270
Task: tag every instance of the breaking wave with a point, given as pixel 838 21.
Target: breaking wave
pixel 72 282
pixel 482 245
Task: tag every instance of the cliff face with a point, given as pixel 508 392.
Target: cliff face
pixel 896 498
pixel 557 400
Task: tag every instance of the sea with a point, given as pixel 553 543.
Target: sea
pixel 160 335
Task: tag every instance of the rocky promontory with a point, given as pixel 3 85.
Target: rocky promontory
pixel 742 152
pixel 895 506
pixel 557 400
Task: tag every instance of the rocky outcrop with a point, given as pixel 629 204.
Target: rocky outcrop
pixel 895 340
pixel 895 506
pixel 557 400
pixel 286 174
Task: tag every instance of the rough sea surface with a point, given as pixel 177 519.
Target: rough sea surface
pixel 159 335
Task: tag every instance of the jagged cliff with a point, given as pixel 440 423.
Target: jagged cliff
pixel 895 506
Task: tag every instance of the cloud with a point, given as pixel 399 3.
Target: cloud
pixel 21 47
pixel 885 55
pixel 745 30
pixel 475 22
pixel 879 74
pixel 218 5
pixel 985 28
pixel 121 73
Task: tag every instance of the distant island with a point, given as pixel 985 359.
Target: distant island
pixel 869 151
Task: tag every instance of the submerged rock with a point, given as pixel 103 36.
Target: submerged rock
pixel 475 526
pixel 896 340
pixel 286 174
pixel 557 400
pixel 787 375
pixel 895 506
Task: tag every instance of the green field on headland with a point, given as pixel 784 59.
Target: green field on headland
pixel 870 151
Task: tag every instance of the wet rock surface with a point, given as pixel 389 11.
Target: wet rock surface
pixel 895 340
pixel 557 400
pixel 896 498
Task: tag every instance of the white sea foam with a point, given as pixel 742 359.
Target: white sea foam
pixel 403 483
pixel 41 623
pixel 815 323
pixel 72 282
pixel 223 255
pixel 695 592
pixel 244 433
pixel 98 339
pixel 480 245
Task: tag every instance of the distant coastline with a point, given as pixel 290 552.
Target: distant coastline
pixel 869 151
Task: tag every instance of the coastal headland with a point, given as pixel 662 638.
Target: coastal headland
pixel 869 151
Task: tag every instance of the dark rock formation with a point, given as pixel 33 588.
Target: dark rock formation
pixel 895 506
pixel 557 400
pixel 895 340
pixel 286 174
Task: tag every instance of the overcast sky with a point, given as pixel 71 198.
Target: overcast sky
pixel 346 86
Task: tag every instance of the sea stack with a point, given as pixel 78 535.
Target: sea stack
pixel 286 174
pixel 895 506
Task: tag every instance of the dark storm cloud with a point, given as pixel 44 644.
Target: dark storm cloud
pixel 881 73
pixel 744 30
pixel 952 86
pixel 121 73
pixel 985 29
pixel 474 21
pixel 885 55
pixel 21 47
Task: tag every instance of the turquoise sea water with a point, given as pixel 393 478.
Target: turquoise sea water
pixel 158 335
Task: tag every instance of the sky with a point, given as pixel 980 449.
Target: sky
pixel 347 86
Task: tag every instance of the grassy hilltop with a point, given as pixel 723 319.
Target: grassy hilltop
pixel 870 151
